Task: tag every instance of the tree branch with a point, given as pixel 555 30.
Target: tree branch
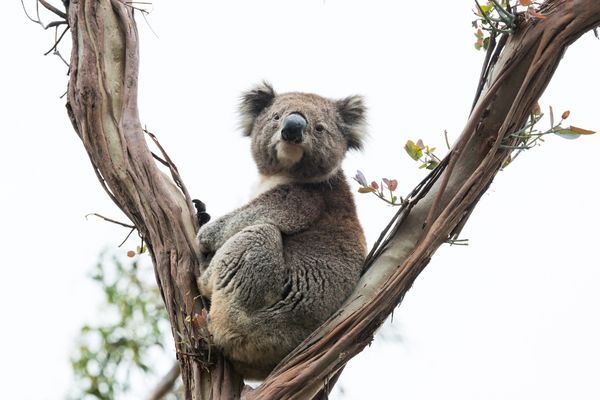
pixel 515 81
pixel 102 104
pixel 166 384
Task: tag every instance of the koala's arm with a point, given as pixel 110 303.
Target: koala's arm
pixel 291 209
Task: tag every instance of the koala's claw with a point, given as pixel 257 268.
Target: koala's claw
pixel 201 214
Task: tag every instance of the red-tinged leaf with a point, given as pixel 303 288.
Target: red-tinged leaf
pixel 131 253
pixel 479 42
pixel 392 184
pixel 525 2
pixel 536 110
pixel 566 114
pixel 421 144
pixel 535 14
pixel 202 318
pixel 365 189
pixel 581 131
pixel 374 185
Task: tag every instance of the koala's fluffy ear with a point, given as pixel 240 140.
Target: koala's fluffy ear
pixel 253 102
pixel 353 112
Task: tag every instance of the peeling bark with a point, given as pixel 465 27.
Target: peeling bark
pixel 102 104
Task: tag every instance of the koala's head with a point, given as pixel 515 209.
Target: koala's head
pixel 299 135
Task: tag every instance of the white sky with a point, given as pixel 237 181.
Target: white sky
pixel 512 316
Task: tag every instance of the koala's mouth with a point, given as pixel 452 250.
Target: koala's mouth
pixel 288 154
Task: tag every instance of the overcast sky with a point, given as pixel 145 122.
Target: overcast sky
pixel 514 315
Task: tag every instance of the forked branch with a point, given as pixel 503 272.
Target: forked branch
pixel 102 104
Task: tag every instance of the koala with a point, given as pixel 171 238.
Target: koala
pixel 279 266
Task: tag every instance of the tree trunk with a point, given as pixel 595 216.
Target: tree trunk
pixel 102 104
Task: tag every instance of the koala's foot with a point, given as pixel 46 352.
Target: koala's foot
pixel 201 214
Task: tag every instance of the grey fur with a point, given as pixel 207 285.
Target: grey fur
pixel 277 267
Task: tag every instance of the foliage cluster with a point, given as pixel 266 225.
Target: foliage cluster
pixel 130 332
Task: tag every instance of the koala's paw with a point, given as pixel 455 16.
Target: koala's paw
pixel 205 285
pixel 209 241
pixel 201 214
pixel 204 259
pixel 205 252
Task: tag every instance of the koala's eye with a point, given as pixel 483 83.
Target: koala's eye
pixel 276 117
pixel 319 127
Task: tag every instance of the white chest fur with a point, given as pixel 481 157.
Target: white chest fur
pixel 268 182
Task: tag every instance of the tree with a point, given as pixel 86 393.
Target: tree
pixel 441 204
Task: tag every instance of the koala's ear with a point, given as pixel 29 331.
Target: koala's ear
pixel 253 102
pixel 352 111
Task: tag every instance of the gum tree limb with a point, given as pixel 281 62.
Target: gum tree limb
pixel 439 209
pixel 102 105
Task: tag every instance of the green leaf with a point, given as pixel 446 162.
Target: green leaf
pixel 566 134
pixel 486 43
pixel 486 9
pixel 413 150
pixel 432 164
pixel 573 132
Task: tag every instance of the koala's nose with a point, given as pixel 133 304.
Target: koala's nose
pixel 293 128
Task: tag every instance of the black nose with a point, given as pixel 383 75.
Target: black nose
pixel 293 128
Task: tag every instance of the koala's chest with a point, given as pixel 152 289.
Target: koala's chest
pixel 266 183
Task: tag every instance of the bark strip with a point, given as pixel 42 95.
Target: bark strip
pixel 102 105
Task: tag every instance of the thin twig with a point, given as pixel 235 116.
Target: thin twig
pixel 57 41
pixel 49 7
pixel 57 53
pixel 127 237
pixel 37 21
pixel 160 160
pixel 53 9
pixel 166 384
pixel 111 220
pixel 172 167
